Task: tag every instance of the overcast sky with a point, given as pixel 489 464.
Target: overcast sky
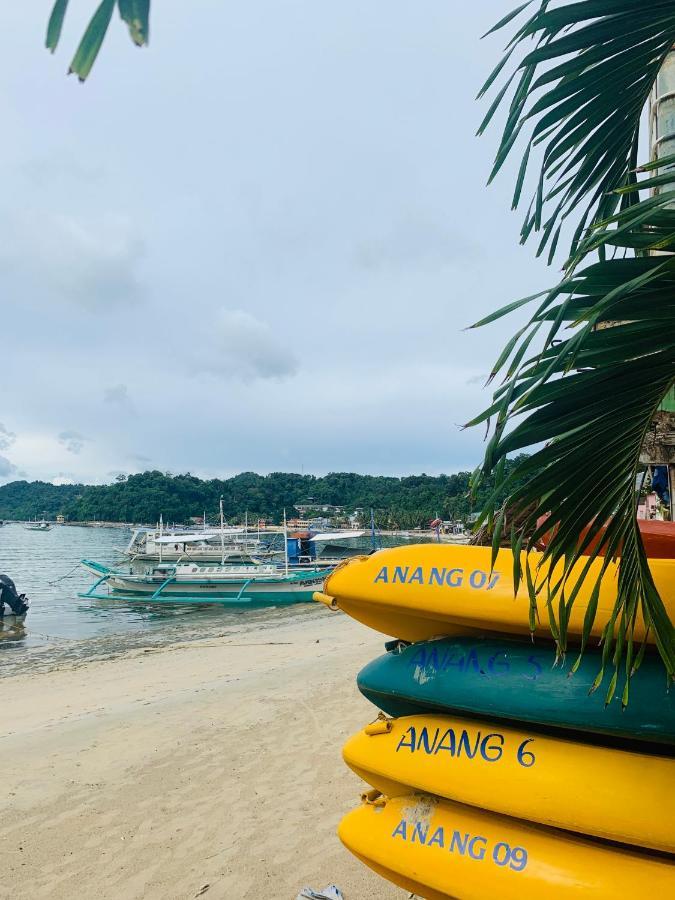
pixel 253 245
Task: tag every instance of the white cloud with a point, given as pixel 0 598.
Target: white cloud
pixel 7 437
pixel 7 468
pixel 118 396
pixel 88 261
pixel 241 346
pixel 73 441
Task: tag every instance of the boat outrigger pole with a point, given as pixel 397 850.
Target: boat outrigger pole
pixel 222 534
pixel 285 542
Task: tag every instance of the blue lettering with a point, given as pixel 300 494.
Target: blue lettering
pixel 499 662
pixel 464 743
pixel 495 749
pixel 480 853
pixel 417 576
pixel 400 574
pixel 432 662
pixel 477 579
pixel 437 575
pixel 493 580
pixel 401 830
pixel 458 843
pixel 471 662
pixel 419 659
pixel 451 661
pixel 437 838
pixel 454 577
pixel 421 832
pixel 424 739
pixel 450 746
pixel 383 575
pixel 403 743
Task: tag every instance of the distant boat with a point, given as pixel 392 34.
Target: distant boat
pixel 38 526
pixel 225 585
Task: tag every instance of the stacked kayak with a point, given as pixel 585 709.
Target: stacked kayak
pixel 490 770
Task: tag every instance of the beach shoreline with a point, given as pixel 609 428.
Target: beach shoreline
pixel 162 770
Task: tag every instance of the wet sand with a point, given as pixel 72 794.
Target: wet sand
pixel 210 768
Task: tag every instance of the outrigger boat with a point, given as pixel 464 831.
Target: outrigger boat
pixel 38 526
pixel 229 585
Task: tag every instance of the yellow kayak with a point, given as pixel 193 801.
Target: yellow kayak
pixel 426 590
pixel 553 781
pixel 439 850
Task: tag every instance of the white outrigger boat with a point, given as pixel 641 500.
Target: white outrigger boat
pixel 38 526
pixel 230 545
pixel 226 585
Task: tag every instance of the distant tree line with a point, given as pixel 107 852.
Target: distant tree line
pixel 399 502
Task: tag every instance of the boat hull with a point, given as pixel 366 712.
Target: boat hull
pixel 424 591
pixel 521 774
pixel 514 680
pixel 440 849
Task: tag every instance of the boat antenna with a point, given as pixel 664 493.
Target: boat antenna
pixel 161 532
pixel 285 542
pixel 222 534
pixel 373 541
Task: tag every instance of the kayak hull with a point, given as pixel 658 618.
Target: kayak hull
pixel 515 680
pixel 425 590
pixel 440 849
pixel 521 774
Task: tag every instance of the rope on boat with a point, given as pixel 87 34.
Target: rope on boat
pixel 63 577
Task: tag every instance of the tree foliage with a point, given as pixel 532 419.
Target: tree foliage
pixel 603 346
pixel 404 502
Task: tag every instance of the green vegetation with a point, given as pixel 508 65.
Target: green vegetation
pixel 402 502
pixel 586 376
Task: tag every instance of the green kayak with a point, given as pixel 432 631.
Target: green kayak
pixel 516 681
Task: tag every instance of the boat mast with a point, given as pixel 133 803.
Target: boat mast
pixel 161 532
pixel 222 534
pixel 285 542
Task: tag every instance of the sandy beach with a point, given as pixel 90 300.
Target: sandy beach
pixel 210 768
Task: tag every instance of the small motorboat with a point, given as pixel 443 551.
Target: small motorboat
pixel 13 605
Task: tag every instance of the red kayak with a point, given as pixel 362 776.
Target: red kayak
pixel 658 538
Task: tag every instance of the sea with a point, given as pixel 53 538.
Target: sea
pixel 62 627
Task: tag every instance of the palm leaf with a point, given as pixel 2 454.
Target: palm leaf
pixel 578 96
pixel 134 13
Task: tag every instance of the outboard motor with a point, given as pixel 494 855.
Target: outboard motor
pixel 17 602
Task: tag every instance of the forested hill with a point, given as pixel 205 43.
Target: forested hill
pixel 402 502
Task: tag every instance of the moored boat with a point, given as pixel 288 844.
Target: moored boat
pixel 206 584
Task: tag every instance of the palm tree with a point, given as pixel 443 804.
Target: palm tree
pixel 588 394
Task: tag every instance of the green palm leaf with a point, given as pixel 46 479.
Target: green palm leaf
pixel 135 14
pixel 605 357
pixel 578 96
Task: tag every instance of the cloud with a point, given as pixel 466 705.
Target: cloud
pixel 7 437
pixel 242 346
pixel 118 396
pixel 140 458
pixel 7 468
pixel 64 478
pixel 91 262
pixel 73 441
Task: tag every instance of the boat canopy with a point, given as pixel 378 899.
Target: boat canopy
pixel 337 535
pixel 192 536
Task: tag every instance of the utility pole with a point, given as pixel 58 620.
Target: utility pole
pixel 659 446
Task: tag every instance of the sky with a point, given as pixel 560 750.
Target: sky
pixel 253 245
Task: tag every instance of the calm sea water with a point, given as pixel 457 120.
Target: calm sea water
pixel 60 625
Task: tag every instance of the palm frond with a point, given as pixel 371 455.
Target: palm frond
pixel 578 96
pixel 134 13
pixel 590 399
